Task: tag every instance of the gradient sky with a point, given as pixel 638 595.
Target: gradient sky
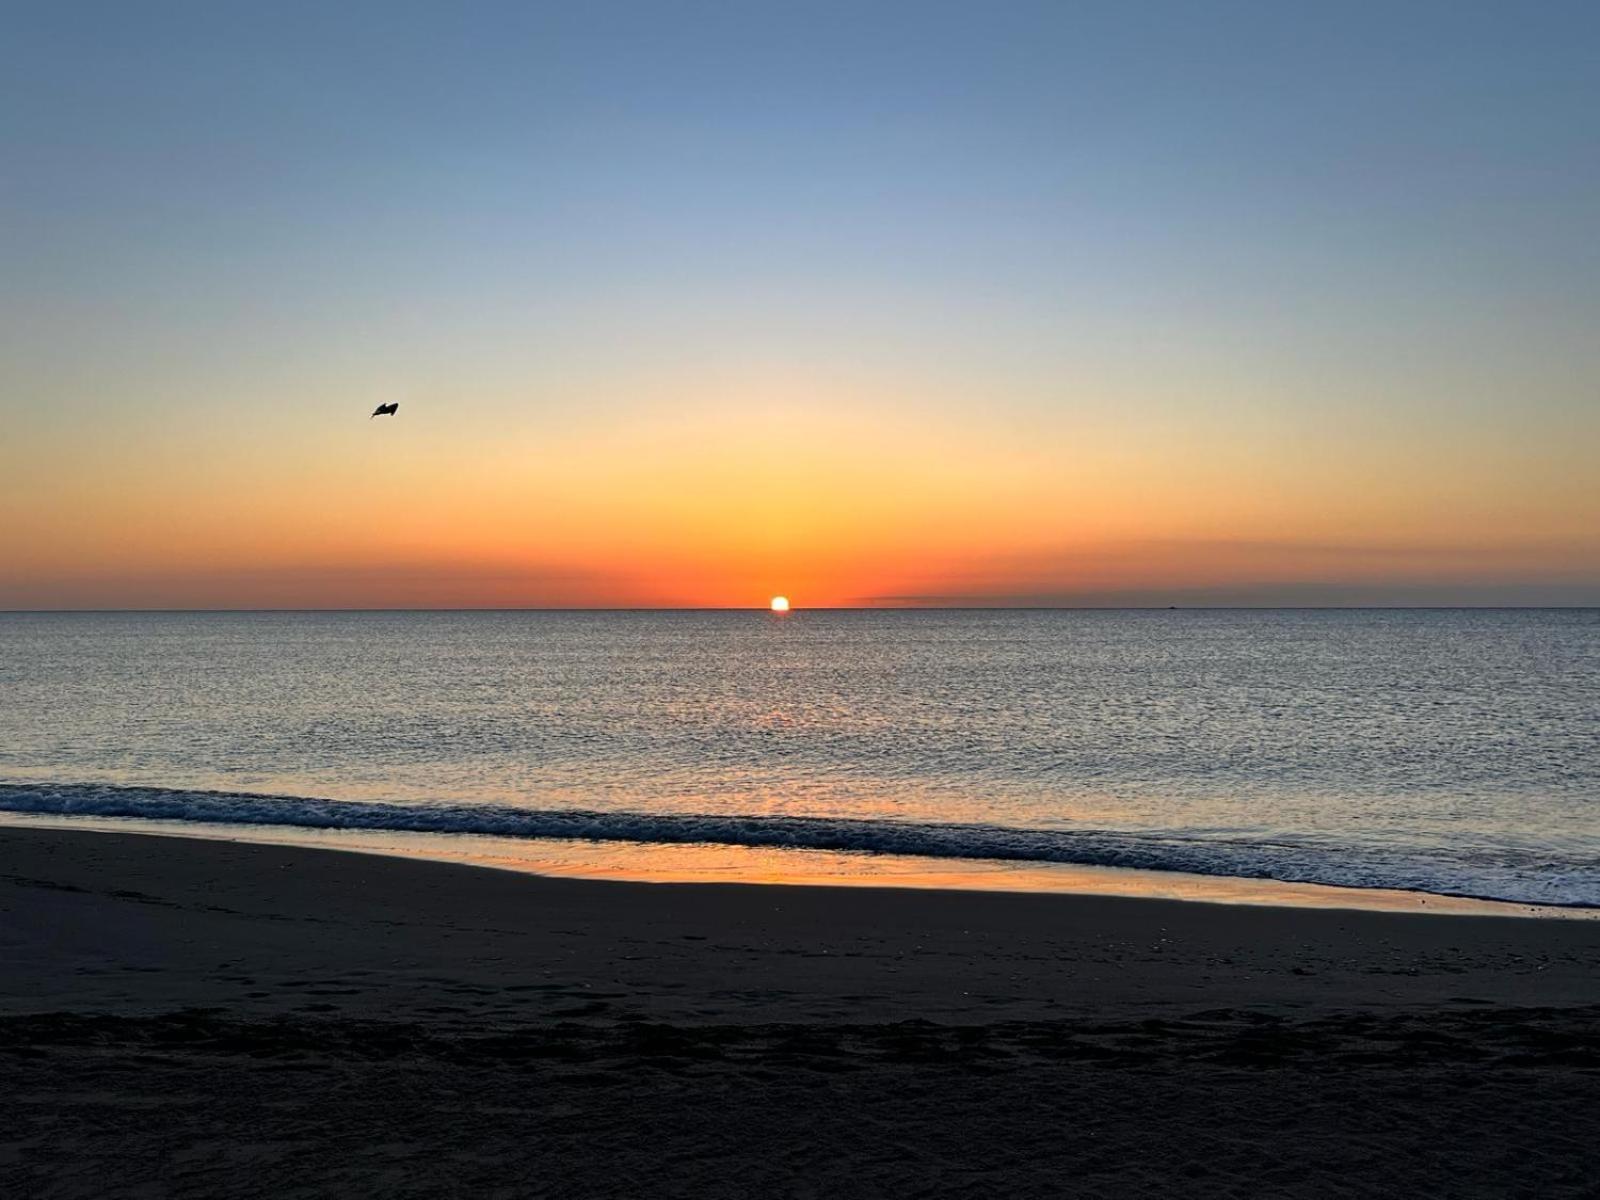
pixel 867 303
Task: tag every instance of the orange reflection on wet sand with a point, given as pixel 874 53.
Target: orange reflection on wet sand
pixel 703 863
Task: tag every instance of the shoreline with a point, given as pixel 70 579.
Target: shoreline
pixel 713 863
pixel 1232 951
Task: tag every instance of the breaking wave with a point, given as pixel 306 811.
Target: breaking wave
pixel 1508 875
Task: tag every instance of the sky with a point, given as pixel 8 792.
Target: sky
pixel 690 304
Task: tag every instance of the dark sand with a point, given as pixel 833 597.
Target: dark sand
pixel 184 1017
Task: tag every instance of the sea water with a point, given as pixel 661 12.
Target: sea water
pixel 1450 751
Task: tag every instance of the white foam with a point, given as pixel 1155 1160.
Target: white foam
pixel 1508 877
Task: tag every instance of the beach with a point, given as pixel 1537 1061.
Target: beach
pixel 755 601
pixel 188 1017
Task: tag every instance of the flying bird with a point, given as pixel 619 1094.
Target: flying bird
pixel 385 410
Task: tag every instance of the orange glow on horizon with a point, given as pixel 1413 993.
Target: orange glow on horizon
pixel 866 500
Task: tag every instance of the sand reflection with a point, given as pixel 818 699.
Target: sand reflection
pixel 704 863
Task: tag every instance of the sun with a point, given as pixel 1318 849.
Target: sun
pixel 780 604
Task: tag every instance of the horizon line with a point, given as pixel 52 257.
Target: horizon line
pixel 894 608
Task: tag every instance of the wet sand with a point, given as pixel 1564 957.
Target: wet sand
pixel 185 1017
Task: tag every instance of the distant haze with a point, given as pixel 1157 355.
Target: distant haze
pixel 695 304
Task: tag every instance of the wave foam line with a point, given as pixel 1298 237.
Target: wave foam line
pixel 1102 848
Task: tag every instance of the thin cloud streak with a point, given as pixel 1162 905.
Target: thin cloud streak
pixel 323 586
pixel 1316 595
pixel 1159 573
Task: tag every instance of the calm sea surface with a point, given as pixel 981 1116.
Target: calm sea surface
pixel 1451 751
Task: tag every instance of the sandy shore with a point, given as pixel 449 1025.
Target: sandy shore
pixel 180 1017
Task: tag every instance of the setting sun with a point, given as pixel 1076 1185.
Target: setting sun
pixel 780 604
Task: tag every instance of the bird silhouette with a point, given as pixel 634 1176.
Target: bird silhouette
pixel 385 410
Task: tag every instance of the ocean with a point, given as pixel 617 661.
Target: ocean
pixel 1447 751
